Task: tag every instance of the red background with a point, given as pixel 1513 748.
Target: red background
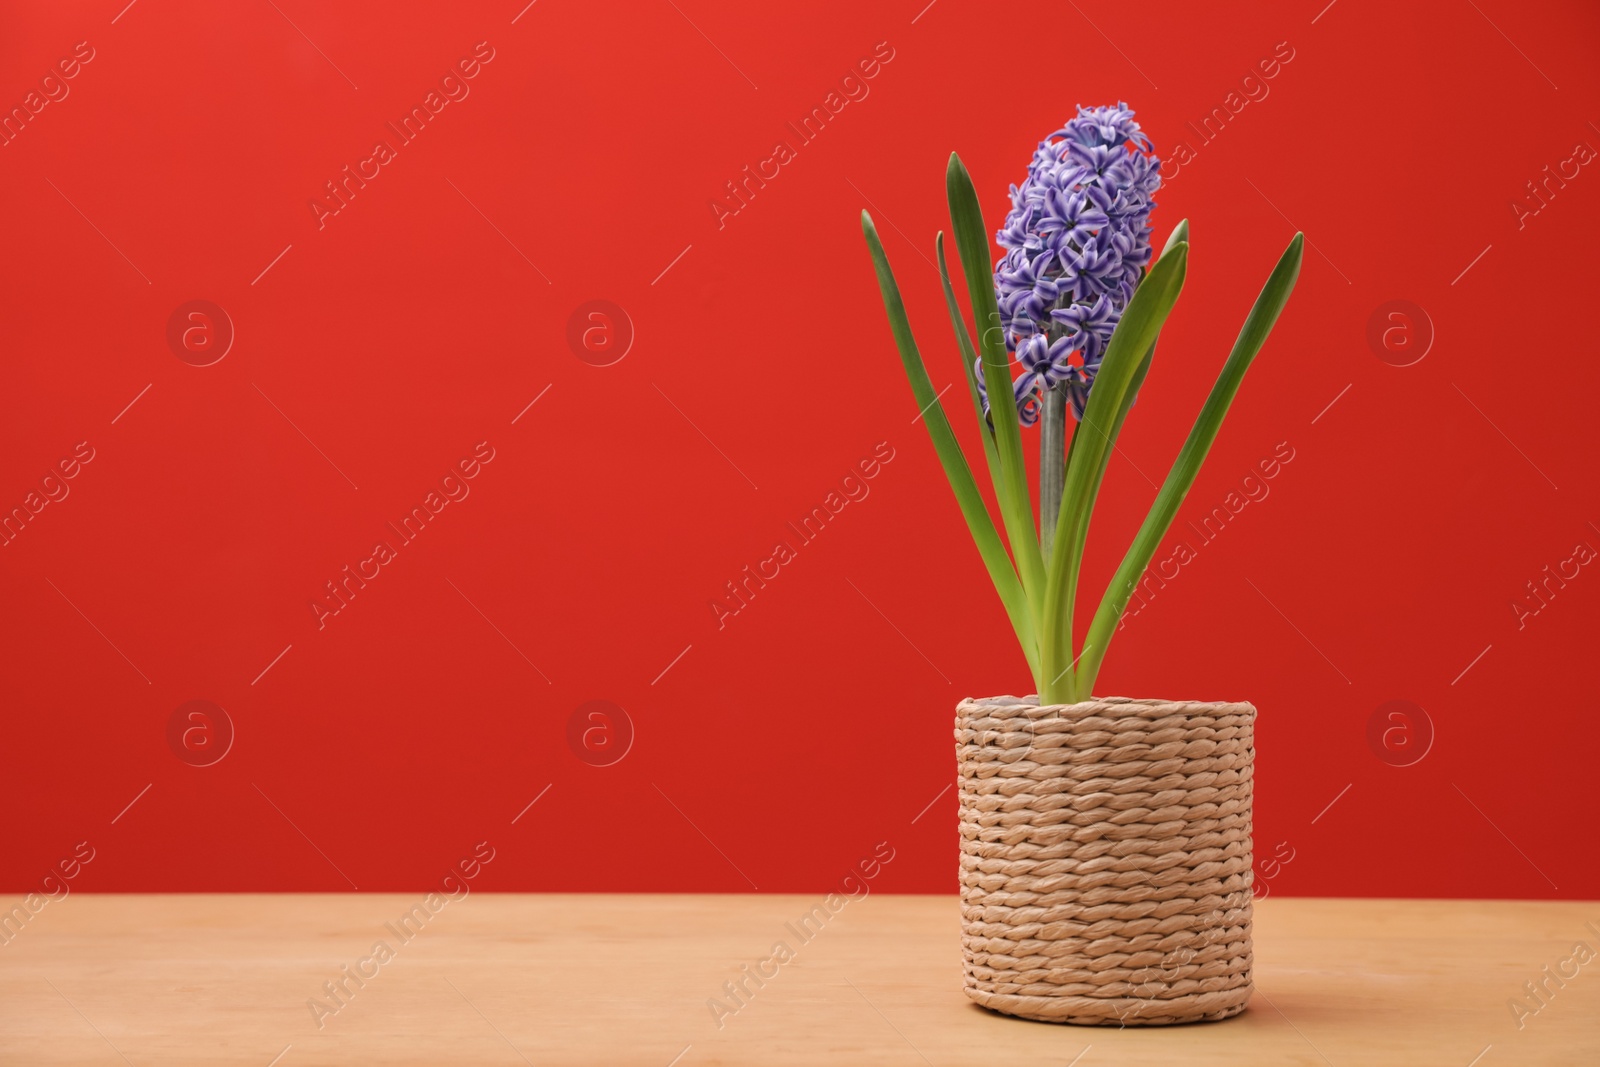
pixel 428 313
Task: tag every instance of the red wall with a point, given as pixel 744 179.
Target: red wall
pixel 378 347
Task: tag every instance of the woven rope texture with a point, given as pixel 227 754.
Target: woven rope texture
pixel 1105 858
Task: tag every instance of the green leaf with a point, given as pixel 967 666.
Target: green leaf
pixel 1259 323
pixel 1180 233
pixel 1130 344
pixel 951 457
pixel 969 360
pixel 1016 505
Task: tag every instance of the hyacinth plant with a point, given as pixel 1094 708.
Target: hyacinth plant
pixel 1076 304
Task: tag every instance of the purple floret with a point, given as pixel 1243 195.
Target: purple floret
pixel 1077 240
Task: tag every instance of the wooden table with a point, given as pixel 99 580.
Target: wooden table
pixel 557 979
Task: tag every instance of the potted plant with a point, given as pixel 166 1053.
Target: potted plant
pixel 1105 841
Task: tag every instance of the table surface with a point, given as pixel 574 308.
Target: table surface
pixel 598 979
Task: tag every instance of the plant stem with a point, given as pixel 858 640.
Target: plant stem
pixel 1052 464
pixel 1134 335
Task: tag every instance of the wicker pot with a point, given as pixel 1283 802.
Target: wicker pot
pixel 1105 858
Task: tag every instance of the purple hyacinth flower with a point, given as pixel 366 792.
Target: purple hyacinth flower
pixel 1086 332
pixel 1077 241
pixel 1025 395
pixel 1029 404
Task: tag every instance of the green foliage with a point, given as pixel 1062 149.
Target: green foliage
pixel 1040 594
